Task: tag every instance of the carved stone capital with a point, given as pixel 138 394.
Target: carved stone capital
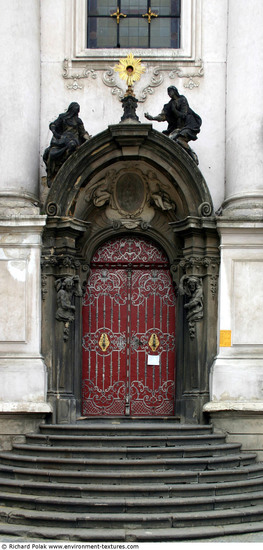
pixel 202 266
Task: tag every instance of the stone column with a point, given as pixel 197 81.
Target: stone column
pixel 22 371
pixel 20 97
pixel 236 378
pixel 244 109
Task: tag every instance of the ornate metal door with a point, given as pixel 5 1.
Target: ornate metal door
pixel 129 332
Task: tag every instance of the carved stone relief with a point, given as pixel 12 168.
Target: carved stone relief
pixel 76 79
pixel 192 77
pixel 109 79
pixel 192 287
pixel 131 196
pixel 203 266
pixel 67 288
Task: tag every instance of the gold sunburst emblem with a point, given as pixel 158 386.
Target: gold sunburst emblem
pixel 130 69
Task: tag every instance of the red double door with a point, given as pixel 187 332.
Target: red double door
pixel 129 332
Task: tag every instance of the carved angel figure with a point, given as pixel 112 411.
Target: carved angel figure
pixel 192 286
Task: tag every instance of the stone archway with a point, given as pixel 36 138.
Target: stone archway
pixel 130 181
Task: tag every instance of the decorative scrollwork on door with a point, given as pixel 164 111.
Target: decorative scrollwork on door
pixel 129 331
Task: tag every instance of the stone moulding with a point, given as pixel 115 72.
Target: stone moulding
pixel 25 407
pixel 236 406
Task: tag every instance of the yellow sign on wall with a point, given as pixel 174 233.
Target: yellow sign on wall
pixel 225 338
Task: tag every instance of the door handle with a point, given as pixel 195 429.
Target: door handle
pixel 136 342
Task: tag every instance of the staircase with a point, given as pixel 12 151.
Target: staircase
pixel 129 480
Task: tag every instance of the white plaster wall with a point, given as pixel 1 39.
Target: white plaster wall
pixel 20 95
pixel 99 107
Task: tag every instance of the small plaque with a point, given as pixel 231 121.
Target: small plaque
pixel 153 360
pixel 225 338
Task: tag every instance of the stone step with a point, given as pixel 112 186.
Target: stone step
pixel 197 463
pixel 133 505
pixel 122 452
pixel 173 534
pixel 131 489
pixel 128 420
pixel 159 520
pixel 124 428
pixel 128 480
pixel 125 440
pixel 249 472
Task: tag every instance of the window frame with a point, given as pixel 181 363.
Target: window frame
pixel 121 19
pixel 190 49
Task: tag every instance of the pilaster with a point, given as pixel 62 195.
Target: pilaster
pixel 22 369
pixel 237 373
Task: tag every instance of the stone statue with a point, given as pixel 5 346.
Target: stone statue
pixel 183 123
pixel 68 134
pixel 67 288
pixel 192 286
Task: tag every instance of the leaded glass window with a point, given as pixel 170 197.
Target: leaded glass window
pixel 133 23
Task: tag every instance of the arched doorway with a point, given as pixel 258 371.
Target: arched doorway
pixel 129 312
pixel 90 203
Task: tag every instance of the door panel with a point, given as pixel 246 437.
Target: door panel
pixel 129 332
pixel 105 342
pixel 152 341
